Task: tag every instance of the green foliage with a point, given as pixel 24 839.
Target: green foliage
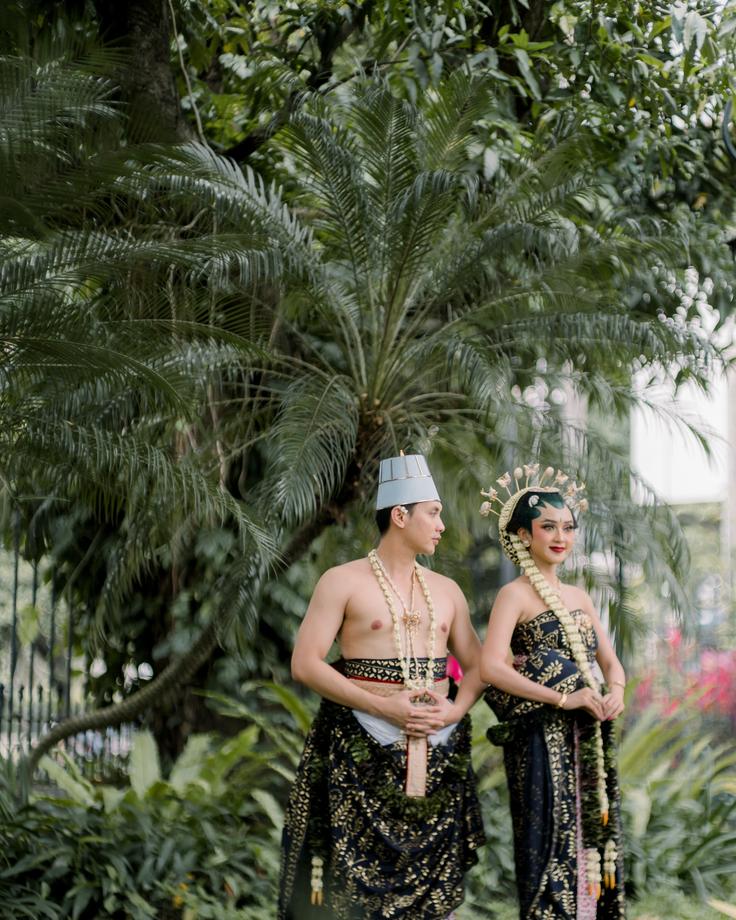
pixel 650 79
pixel 666 904
pixel 662 905
pixel 404 261
pixel 206 838
pixel 495 870
pixel 679 802
pixel 386 296
pixel 94 382
pixel 201 843
pixel 678 808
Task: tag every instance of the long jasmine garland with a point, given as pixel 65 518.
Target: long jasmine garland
pixel 406 656
pixel 577 646
pixel 575 641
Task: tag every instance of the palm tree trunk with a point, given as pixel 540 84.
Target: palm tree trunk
pixel 156 694
pixel 176 674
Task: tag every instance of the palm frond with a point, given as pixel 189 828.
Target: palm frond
pixel 332 186
pixel 313 440
pixel 446 133
pixel 383 289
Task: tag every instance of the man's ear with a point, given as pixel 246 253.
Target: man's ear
pixel 398 515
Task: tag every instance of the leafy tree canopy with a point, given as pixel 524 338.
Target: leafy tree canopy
pixel 650 79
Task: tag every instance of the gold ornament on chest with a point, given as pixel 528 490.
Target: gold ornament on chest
pixel 411 619
pixel 410 616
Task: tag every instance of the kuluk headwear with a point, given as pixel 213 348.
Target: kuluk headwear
pixel 404 480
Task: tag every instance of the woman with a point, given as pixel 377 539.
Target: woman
pixel 555 715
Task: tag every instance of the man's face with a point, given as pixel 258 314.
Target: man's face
pixel 423 527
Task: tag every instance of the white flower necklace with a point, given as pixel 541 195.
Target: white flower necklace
pixel 411 619
pixel 555 589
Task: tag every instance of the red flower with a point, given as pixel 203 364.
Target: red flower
pixel 453 669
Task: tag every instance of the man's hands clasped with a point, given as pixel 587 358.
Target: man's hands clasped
pixel 420 713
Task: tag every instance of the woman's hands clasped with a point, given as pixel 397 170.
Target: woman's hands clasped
pixel 601 707
pixel 613 702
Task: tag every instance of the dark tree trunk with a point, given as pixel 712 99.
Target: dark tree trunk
pixel 536 19
pixel 144 29
pixel 188 713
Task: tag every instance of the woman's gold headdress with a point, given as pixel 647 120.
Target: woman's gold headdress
pixel 526 479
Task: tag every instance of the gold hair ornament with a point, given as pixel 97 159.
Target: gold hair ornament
pixel 548 482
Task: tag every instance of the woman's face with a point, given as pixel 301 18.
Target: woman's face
pixel 552 536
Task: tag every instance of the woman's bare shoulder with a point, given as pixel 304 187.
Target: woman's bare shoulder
pixel 580 597
pixel 511 603
pixel 518 589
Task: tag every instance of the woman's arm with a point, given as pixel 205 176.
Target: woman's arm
pixel 496 670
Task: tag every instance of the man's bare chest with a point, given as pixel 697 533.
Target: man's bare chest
pixel 370 612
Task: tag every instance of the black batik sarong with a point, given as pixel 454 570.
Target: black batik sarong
pixel 386 855
pixel 547 776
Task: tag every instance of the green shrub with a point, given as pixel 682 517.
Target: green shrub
pixel 203 843
pixel 679 805
pixel 678 809
pixel 664 905
pixel 492 883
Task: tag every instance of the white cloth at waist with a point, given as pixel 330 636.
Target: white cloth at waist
pixel 386 732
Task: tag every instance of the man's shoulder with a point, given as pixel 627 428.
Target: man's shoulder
pixel 356 567
pixel 439 581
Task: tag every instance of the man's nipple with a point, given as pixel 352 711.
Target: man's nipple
pixel 376 624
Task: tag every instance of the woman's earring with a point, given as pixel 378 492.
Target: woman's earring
pixel 527 543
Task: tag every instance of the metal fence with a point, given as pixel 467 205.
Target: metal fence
pixel 41 683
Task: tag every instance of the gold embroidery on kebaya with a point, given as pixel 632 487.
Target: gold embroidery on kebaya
pixel 544 812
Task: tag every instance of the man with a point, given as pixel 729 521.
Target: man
pixel 383 820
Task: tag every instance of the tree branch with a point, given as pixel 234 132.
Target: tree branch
pixel 158 693
pixel 329 41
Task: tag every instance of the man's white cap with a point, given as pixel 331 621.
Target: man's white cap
pixel 404 480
